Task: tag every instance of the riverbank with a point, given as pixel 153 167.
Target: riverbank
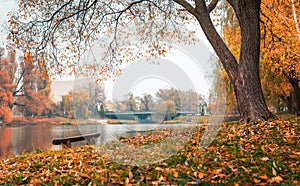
pixel 27 121
pixel 259 153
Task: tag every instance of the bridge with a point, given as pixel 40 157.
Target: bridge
pixel 143 115
pixel 131 115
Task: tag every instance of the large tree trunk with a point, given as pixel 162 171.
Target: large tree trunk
pixel 243 75
pixel 247 86
pixel 295 85
pixel 251 103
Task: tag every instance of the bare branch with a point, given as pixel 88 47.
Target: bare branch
pixel 212 5
pixel 187 6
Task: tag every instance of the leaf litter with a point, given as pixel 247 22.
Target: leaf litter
pixel 263 153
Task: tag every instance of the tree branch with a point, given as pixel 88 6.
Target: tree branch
pixel 187 6
pixel 227 59
pixel 212 5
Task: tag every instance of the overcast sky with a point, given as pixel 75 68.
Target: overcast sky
pixel 6 6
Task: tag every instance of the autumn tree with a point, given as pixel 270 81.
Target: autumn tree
pixel 29 87
pixel 167 108
pixel 130 102
pixel 66 106
pixel 279 52
pixel 147 102
pixel 189 99
pixel 281 49
pixel 183 99
pixel 222 92
pixel 13 74
pixel 76 104
pixel 65 29
pixel 232 38
pixel 169 94
pixel 81 103
pixel 35 96
pixel 96 93
pixel 11 66
pixel 6 97
pixel 119 105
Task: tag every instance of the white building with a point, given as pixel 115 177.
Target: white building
pixel 60 88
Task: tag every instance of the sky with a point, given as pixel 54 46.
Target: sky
pixel 185 67
pixel 6 6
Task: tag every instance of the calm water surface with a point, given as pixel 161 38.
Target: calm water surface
pixel 17 140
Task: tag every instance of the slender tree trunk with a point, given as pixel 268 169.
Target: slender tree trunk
pixel 243 75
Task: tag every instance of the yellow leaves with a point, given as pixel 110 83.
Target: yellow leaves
pixel 161 179
pixel 246 170
pixel 175 174
pixel 281 44
pixel 274 164
pixel 201 175
pixel 127 181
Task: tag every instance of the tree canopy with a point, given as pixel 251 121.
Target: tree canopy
pixel 60 32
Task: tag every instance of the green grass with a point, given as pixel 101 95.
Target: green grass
pixel 257 153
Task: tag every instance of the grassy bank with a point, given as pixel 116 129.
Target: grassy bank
pixel 23 121
pixel 116 121
pixel 258 153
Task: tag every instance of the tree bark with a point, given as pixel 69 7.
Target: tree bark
pixel 247 86
pixel 295 85
pixel 243 75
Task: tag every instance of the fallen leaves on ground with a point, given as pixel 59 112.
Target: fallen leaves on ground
pixel 258 153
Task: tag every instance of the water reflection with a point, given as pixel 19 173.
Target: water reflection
pixel 17 140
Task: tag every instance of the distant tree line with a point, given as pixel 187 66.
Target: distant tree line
pixel 87 100
pixel 167 101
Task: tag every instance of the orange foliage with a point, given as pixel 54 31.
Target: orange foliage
pixel 36 86
pixel 280 49
pixel 166 107
pixel 5 114
pixel 28 57
pixel 280 52
pixel 281 39
pixel 6 97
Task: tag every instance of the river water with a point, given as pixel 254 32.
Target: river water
pixel 18 140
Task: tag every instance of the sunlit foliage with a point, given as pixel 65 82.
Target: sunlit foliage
pixel 281 50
